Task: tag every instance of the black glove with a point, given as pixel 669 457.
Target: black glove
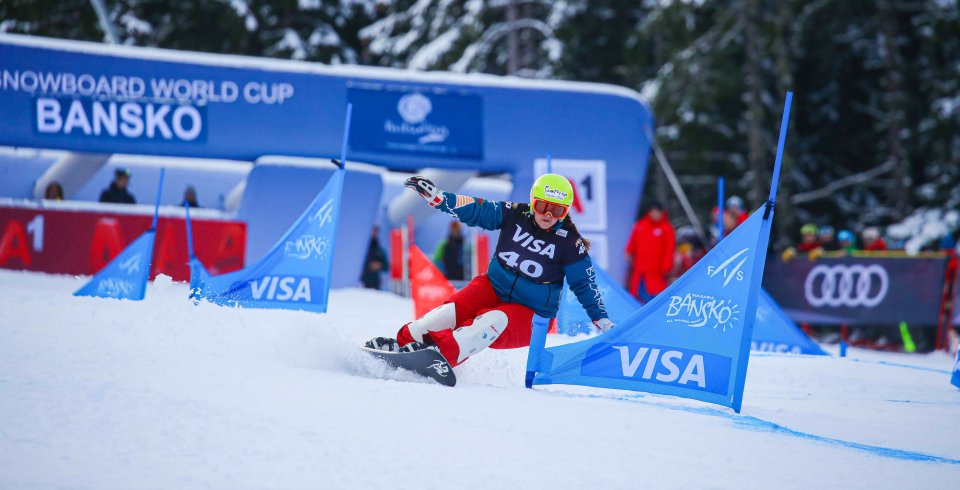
pixel 427 190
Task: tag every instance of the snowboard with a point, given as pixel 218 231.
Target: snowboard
pixel 427 363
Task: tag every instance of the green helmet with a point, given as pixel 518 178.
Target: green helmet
pixel 808 229
pixel 553 188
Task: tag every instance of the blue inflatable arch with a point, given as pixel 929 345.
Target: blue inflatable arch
pixel 87 97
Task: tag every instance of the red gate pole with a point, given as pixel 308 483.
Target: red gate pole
pixel 945 318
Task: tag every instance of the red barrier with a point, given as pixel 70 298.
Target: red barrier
pixel 396 254
pixel 482 254
pixel 945 317
pixel 81 242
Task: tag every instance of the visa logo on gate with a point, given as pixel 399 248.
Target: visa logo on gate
pixel 281 288
pixel 666 365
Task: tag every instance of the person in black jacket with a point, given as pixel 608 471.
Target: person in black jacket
pixel 117 192
pixel 375 263
pixel 449 254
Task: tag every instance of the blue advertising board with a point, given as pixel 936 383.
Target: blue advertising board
pixel 418 122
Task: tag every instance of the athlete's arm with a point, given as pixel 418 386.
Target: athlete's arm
pixel 471 211
pixel 581 278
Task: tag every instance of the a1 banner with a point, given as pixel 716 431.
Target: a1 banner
pixel 59 238
pixel 428 285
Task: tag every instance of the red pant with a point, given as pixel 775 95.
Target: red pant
pixel 475 299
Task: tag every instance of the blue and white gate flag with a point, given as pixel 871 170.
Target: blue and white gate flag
pixel 774 331
pixel 126 276
pixel 956 371
pixel 692 340
pixel 294 274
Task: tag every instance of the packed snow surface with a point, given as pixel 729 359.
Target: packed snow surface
pixel 161 393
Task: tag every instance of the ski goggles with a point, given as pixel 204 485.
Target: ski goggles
pixel 558 211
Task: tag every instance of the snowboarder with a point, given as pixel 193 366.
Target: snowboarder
pixel 538 248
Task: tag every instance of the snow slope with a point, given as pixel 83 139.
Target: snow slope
pixel 98 393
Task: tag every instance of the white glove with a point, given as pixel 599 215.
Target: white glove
pixel 603 324
pixel 427 190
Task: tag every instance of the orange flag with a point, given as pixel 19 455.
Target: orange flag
pixel 428 286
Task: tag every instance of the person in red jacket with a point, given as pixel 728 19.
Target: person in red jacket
pixel 650 253
pixel 872 241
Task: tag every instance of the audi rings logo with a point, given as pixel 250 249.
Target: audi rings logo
pixel 846 285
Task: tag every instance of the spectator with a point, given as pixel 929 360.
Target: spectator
pixel 117 192
pixel 375 262
pixel 449 253
pixel 872 241
pixel 827 241
pixel 190 197
pixel 650 251
pixel 847 241
pixel 729 223
pixel 54 191
pixel 689 251
pixel 808 238
pixel 948 242
pixel 736 211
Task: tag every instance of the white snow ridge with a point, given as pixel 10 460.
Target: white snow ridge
pixel 162 393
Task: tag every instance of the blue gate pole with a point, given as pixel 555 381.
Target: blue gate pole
pixel 538 340
pixel 764 239
pixel 720 209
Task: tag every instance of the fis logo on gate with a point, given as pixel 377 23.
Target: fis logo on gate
pixel 284 288
pixel 659 364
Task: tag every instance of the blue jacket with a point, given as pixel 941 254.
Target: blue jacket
pixel 530 264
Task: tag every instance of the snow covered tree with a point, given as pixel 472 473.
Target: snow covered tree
pixel 500 37
pixel 69 19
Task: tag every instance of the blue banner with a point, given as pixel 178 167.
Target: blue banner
pixel 295 274
pixel 148 101
pixel 572 319
pixel 773 331
pixel 689 341
pixel 125 277
pixel 420 121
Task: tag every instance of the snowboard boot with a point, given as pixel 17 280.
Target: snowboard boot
pixel 415 346
pixel 443 317
pixel 473 338
pixel 383 343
